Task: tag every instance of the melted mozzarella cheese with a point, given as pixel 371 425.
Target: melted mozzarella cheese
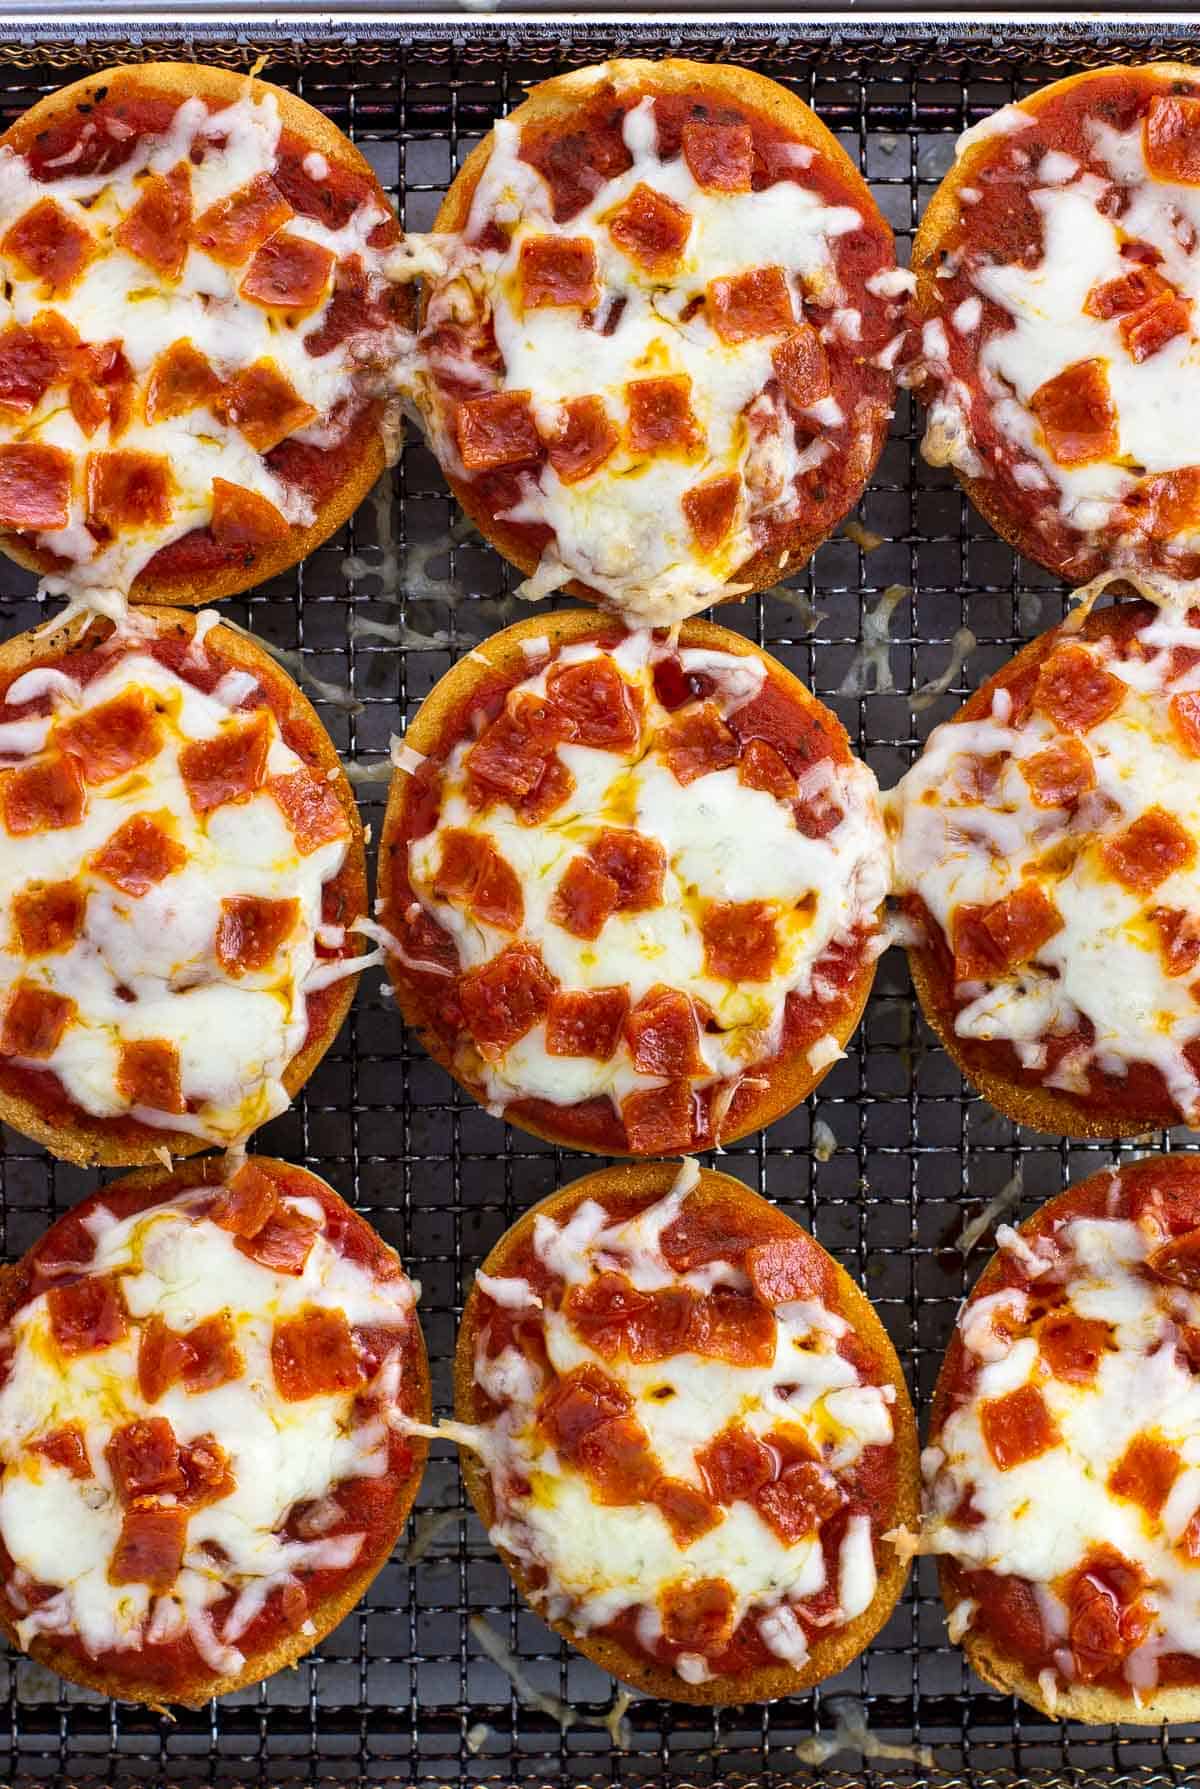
pixel 235 1034
pixel 953 848
pixel 601 1560
pixel 1030 1529
pixel 820 891
pixel 622 529
pixel 60 1531
pixel 121 298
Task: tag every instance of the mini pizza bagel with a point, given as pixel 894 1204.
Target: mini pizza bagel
pixel 182 864
pixel 1061 1486
pixel 1045 849
pixel 630 886
pixel 687 1435
pixel 205 1391
pixel 657 356
pixel 194 333
pixel 1058 270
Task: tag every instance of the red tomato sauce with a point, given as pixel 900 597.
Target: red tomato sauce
pixel 802 732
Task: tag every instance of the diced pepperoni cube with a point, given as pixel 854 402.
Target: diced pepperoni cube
pixel 660 415
pixel 752 304
pixel 558 270
pixel 663 1034
pixel 473 871
pixel 795 1504
pixel 586 1022
pixel 615 1319
pixel 735 1465
pixel 34 1021
pixel 35 486
pixel 698 1614
pixel 228 767
pixel 48 245
pixel 1017 1427
pixel 616 1457
pixel 284 1242
pixel 288 273
pixel 1128 292
pixel 112 738
pixel 162 1357
pixel 734 1327
pixel 148 1075
pixel 1076 412
pixel 788 1268
pixel 711 509
pixel 180 380
pixel 138 856
pixel 1060 775
pixel 66 1447
pixel 1074 691
pixel 244 520
pixel 1149 851
pixel 660 1120
pixel 128 490
pixel 311 808
pixel 497 430
pixel 602 709
pixel 697 743
pixel 143 1457
pixel 719 156
pixel 760 766
pixel 1178 938
pixel 583 899
pixel 1073 1346
pixel 208 1474
pixel 313 1355
pixel 1185 717
pixel 28 368
pixel 1171 138
pixel 688 1512
pixel 1147 331
pixel 1019 925
pixel 264 406
pixel 156 229
pixel 1172 501
pixel 252 930
pixel 150 1547
pixel 511 752
pixel 1105 1619
pixel 584 438
pixel 636 864
pixel 553 785
pixel 244 1203
pixel 43 797
pixel 650 228
pixel 740 940
pixel 48 916
pixel 1145 1472
pixel 235 226
pixel 578 1402
pixel 86 1315
pixel 505 998
pixel 1178 1261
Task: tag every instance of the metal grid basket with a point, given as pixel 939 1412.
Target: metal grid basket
pixel 886 1163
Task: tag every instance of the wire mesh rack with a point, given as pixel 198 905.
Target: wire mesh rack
pixel 887 1162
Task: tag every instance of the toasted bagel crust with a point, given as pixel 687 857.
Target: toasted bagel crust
pixel 789 1080
pixel 554 102
pixel 197 1690
pixel 367 458
pixel 119 1143
pixel 651 1181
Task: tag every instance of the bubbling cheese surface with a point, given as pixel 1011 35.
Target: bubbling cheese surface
pixel 1069 370
pixel 723 848
pixel 160 907
pixel 223 277
pixel 1069 833
pixel 66 1526
pixel 629 304
pixel 1079 1378
pixel 600 1552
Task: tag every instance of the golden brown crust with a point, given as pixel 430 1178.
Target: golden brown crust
pixel 185 80
pixel 788 1081
pixel 324 1614
pixel 1047 1109
pixel 555 101
pixel 91 1143
pixel 652 1180
pixel 937 224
